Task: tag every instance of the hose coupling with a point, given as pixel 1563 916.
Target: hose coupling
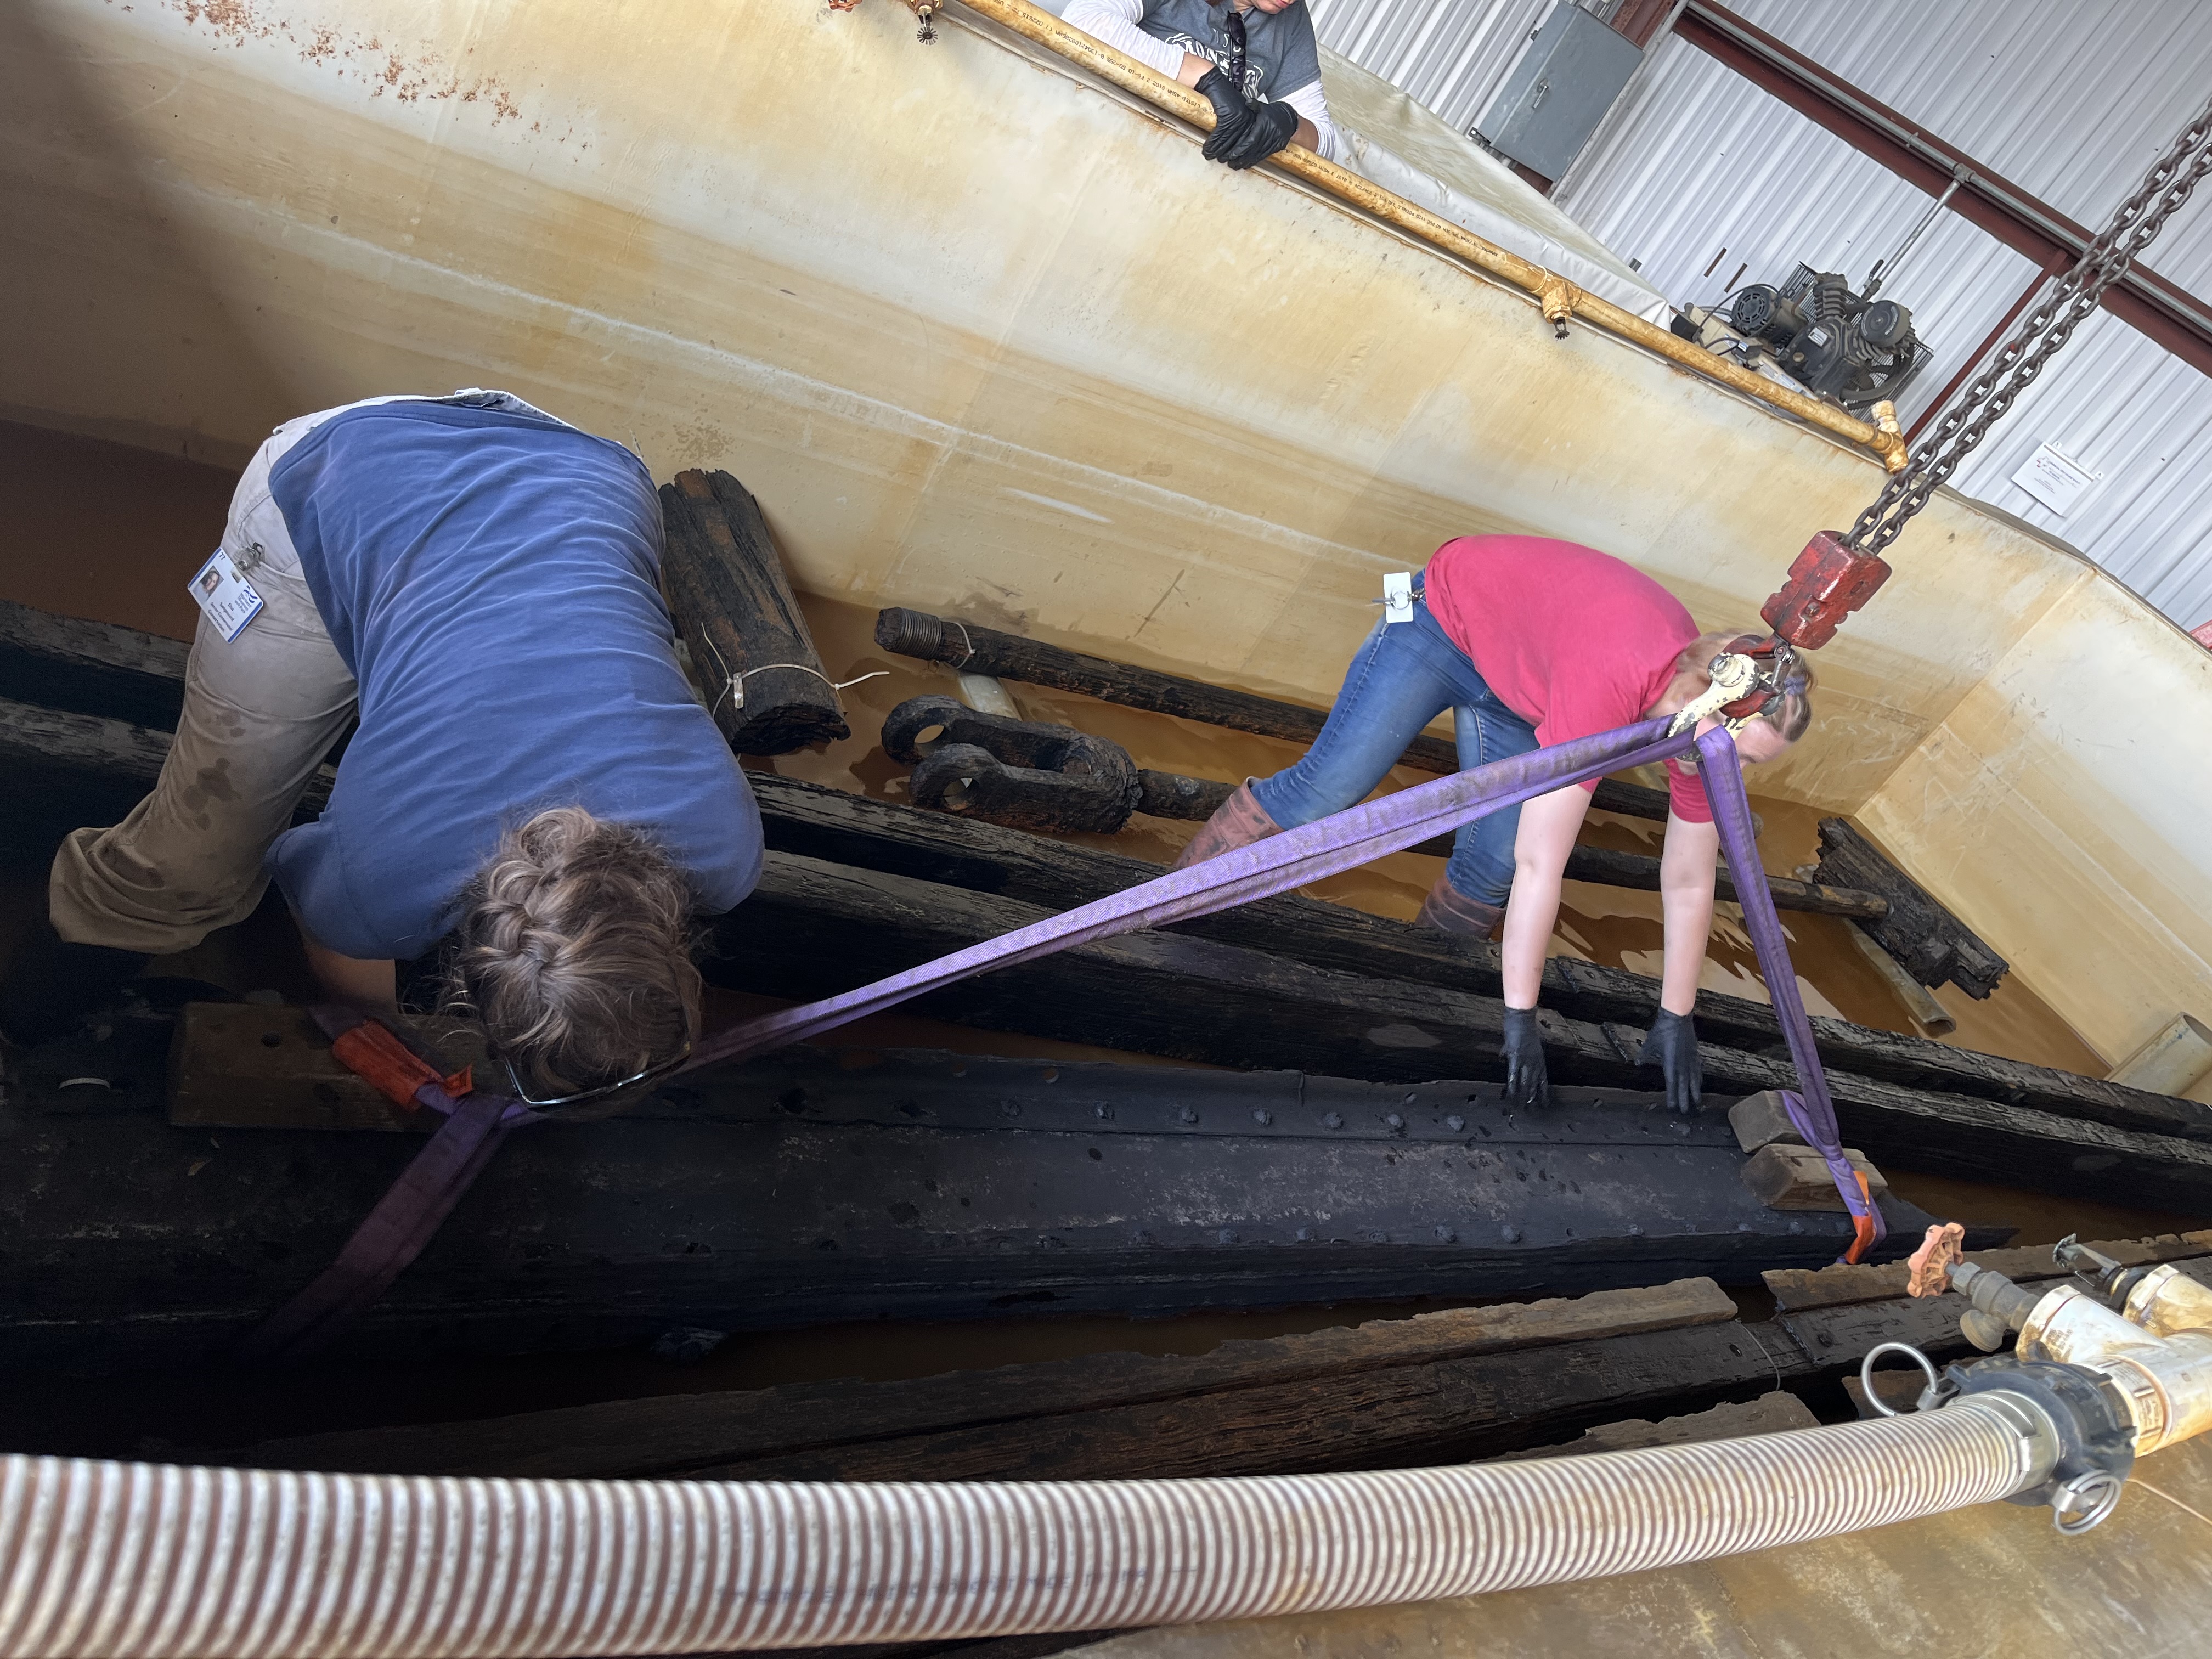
pixel 2079 1434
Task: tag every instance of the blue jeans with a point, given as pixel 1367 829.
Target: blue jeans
pixel 1404 676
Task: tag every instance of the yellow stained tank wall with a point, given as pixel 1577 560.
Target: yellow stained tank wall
pixel 2066 806
pixel 979 335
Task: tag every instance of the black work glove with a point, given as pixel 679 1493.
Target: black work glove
pixel 1526 1084
pixel 1270 129
pixel 1673 1046
pixel 1231 114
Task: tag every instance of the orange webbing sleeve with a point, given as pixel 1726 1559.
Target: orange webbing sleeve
pixel 373 1054
pixel 1863 1225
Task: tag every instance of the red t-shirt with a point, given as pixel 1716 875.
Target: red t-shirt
pixel 1572 639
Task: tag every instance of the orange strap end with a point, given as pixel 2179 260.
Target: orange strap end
pixel 373 1054
pixel 1861 1225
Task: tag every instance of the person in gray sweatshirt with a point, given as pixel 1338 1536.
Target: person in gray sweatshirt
pixel 1256 62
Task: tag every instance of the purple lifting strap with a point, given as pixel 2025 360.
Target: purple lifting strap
pixel 407 1217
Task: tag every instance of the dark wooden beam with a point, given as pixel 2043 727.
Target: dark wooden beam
pixel 89 667
pixel 1192 999
pixel 1927 940
pixel 2179 321
pixel 831 824
pixel 817 1186
pixel 682 1433
pixel 748 639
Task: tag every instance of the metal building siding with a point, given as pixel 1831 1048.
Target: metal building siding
pixel 2069 99
pixel 1452 55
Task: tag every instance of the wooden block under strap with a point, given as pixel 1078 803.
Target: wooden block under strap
pixel 1761 1120
pixel 1785 1177
pixel 241 1066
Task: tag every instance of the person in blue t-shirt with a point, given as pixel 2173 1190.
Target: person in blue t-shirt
pixel 531 772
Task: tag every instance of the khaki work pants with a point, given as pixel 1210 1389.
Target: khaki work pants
pixel 260 713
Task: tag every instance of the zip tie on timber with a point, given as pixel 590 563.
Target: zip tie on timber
pixel 736 682
pixel 1033 23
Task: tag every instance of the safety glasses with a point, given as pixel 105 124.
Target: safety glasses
pixel 581 1097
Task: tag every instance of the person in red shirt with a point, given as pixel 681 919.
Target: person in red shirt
pixel 1529 642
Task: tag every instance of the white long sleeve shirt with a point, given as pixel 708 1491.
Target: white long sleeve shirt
pixel 1120 24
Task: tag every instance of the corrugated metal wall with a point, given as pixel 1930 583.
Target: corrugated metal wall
pixel 1708 180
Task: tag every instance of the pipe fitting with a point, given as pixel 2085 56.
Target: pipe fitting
pixel 2167 1301
pixel 2165 1380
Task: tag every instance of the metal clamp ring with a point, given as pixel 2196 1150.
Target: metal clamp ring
pixel 1866 1373
pixel 2093 1495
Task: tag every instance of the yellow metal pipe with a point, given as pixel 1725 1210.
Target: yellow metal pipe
pixel 1558 298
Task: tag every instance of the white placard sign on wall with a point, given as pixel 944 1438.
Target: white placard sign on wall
pixel 2055 478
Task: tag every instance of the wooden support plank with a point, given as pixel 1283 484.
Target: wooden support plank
pixel 813 1186
pixel 1165 992
pixel 735 610
pixel 1926 940
pixel 1776 1412
pixel 90 668
pixel 1609 868
pixel 847 829
pixel 48 770
pixel 242 1066
pixel 1785 1177
pixel 1795 1287
pixel 679 1433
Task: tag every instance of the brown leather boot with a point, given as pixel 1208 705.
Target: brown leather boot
pixel 1450 911
pixel 1238 822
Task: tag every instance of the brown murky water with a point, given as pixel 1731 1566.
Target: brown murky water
pixel 97 529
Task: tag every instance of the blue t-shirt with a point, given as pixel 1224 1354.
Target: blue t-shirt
pixel 490 577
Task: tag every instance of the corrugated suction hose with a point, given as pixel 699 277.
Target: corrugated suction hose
pixel 124 1559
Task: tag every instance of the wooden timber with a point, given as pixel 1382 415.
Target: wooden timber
pixel 1443 1387
pixel 1926 940
pixel 1773 1413
pixel 1609 868
pixel 89 667
pixel 843 828
pixel 1910 1081
pixel 1784 1177
pixel 683 1433
pixel 819 1186
pixel 739 620
pixel 1195 998
pixel 1795 1288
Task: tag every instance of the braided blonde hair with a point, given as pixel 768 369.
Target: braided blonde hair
pixel 574 952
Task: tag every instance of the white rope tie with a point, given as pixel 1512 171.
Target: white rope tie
pixel 734 685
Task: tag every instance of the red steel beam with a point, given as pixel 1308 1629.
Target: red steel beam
pixel 2142 299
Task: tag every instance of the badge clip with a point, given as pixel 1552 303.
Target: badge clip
pixel 1397 597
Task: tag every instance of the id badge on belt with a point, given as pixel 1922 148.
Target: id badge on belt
pixel 224 596
pixel 1398 598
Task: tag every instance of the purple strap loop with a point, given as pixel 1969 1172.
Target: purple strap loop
pixel 410 1214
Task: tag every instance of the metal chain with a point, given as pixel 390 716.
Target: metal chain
pixel 2049 326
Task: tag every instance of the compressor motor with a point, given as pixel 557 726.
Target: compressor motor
pixel 1836 343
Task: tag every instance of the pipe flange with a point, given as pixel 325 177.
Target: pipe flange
pixel 2095 1428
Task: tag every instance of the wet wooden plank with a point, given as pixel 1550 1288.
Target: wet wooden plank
pixel 1927 940
pixel 1609 868
pixel 1775 1411
pixel 684 1432
pixel 1784 1177
pixel 90 667
pixel 1795 1288
pixel 1192 999
pixel 847 829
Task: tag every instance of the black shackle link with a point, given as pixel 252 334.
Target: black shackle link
pixel 2075 296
